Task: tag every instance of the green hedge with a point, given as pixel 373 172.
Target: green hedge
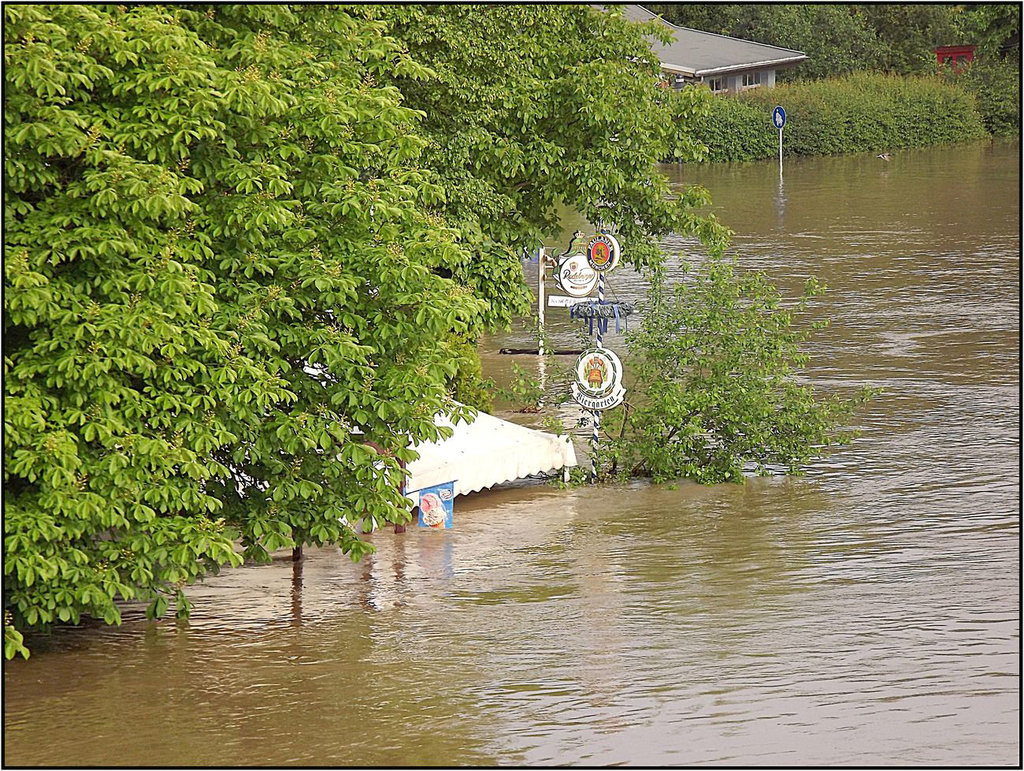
pixel 735 131
pixel 996 85
pixel 857 113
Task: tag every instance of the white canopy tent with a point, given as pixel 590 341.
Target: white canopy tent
pixel 487 452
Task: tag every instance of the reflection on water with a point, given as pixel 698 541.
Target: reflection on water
pixel 866 613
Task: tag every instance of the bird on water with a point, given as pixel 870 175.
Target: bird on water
pixel 885 156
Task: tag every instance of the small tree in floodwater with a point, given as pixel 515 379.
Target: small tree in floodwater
pixel 714 391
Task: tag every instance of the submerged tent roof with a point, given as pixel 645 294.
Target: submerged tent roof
pixel 487 452
pixel 698 54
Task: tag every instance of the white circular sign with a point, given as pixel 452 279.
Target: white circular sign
pixel 598 383
pixel 575 277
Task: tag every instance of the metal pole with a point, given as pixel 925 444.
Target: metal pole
pixel 780 152
pixel 595 440
pixel 540 300
pixel 542 371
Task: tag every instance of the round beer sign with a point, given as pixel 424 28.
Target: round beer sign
pixel 603 252
pixel 598 383
pixel 575 277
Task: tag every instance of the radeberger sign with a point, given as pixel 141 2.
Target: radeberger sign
pixel 598 384
pixel 603 252
pixel 575 277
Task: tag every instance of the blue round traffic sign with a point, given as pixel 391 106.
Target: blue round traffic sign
pixel 779 117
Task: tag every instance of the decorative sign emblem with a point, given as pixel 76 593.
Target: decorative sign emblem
pixel 437 505
pixel 575 277
pixel 603 252
pixel 598 383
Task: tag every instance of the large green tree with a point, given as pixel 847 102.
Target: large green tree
pixel 220 298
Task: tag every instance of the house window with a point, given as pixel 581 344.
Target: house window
pixel 716 84
pixel 751 79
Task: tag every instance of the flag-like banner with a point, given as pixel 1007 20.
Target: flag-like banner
pixel 436 504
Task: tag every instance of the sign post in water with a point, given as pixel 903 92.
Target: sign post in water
pixel 779 120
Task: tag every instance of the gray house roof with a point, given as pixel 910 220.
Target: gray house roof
pixel 696 54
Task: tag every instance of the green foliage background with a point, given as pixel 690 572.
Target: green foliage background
pixel 997 88
pixel 842 38
pixel 857 113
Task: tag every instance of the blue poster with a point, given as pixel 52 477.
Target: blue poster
pixel 437 505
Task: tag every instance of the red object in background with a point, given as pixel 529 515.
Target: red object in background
pixel 954 56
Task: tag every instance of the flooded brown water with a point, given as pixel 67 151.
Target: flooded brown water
pixel 867 613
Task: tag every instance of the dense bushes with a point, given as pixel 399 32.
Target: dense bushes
pixel 736 131
pixel 857 113
pixel 996 85
pixel 715 393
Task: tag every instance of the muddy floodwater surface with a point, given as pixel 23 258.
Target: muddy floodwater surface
pixel 866 613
